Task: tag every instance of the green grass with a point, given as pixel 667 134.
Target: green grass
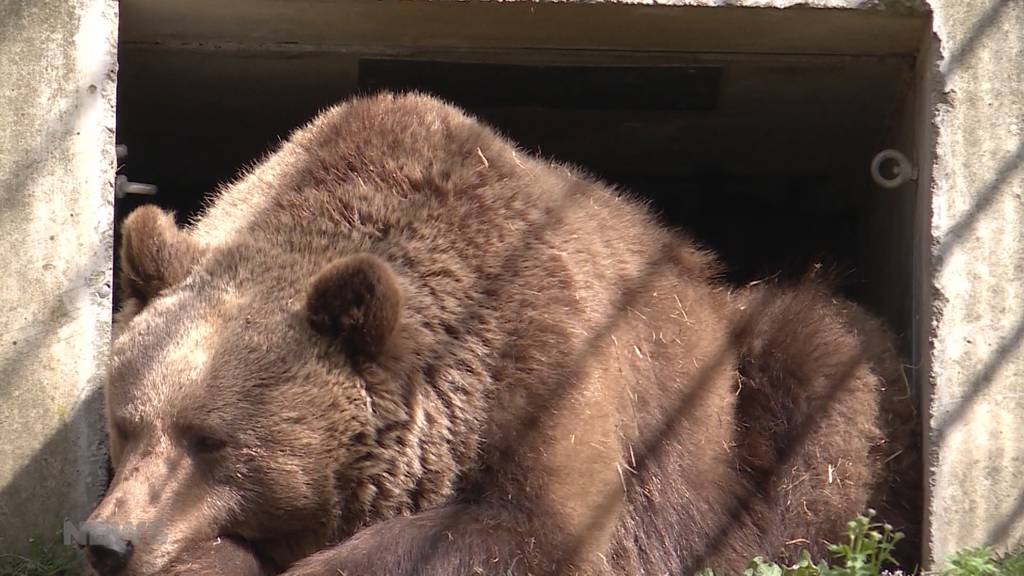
pixel 867 551
pixel 45 558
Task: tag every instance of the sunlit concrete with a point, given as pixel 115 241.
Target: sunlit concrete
pixel 976 373
pixel 57 62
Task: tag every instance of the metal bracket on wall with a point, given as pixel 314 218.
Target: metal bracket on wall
pixel 122 186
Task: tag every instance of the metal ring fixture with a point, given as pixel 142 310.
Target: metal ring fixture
pixel 902 172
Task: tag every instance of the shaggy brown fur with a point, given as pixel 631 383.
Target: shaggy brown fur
pixel 827 426
pixel 356 300
pixel 399 346
pixel 221 557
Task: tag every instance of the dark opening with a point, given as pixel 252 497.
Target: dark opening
pixel 763 158
pixel 480 85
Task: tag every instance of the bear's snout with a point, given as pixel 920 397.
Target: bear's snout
pixel 157 506
pixel 107 547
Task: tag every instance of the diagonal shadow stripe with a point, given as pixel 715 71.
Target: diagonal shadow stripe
pixel 999 533
pixel 979 30
pixel 984 200
pixel 980 383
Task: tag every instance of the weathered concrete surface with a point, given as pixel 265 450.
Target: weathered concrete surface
pixel 805 27
pixel 976 411
pixel 57 62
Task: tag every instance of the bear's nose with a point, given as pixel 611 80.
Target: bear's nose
pixel 106 547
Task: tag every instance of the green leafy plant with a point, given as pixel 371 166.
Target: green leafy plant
pixel 868 549
pixel 984 562
pixel 972 562
pixel 806 567
pixel 761 567
pixel 1012 564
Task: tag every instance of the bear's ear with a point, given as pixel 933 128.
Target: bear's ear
pixel 155 253
pixel 357 300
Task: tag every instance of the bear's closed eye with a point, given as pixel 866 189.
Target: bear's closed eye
pixel 204 444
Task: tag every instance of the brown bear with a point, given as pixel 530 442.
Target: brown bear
pixel 400 346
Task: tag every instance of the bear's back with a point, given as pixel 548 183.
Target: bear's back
pixel 407 175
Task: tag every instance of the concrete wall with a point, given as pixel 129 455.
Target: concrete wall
pixel 976 408
pixel 57 62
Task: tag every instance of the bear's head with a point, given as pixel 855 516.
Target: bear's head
pixel 238 403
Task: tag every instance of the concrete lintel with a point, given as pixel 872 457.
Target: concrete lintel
pixel 825 26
